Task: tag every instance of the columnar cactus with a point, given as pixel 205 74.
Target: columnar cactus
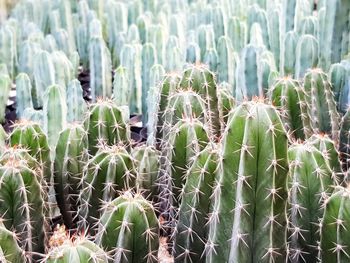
pixel 76 106
pixel 55 113
pixel 70 159
pixel 185 139
pixel 289 98
pixel 335 242
pixel 10 252
pixel 147 166
pixel 288 57
pixel 247 219
pixel 306 55
pixel 324 115
pixel 100 69
pixel 29 136
pixel 226 103
pixel 22 191
pixel 65 249
pixel 23 94
pixel 308 167
pixel 329 150
pixel 201 80
pixel 106 124
pixel 192 228
pixel 121 92
pixel 129 228
pixel 344 142
pixel 5 87
pixel 338 78
pixel 111 170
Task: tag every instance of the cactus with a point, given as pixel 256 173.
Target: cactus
pixel 237 31
pixel 338 78
pixel 147 167
pixel 121 92
pixel 100 69
pixel 324 115
pixel 55 113
pixel 329 150
pixel 191 228
pixel 334 38
pixel 226 103
pixel 70 158
pixel 5 87
pixel 29 135
pixel 10 252
pixel 76 106
pixel 193 53
pixel 111 170
pixel 34 115
pixel 149 58
pixel 310 184
pixel 184 140
pixel 173 57
pixel 334 236
pixel 44 76
pixel 226 62
pixel 106 124
pixel 130 58
pixel 22 190
pixel 65 249
pixel 344 142
pixel 289 97
pixel 306 55
pixel 8 48
pixel 130 228
pixel 288 49
pixel 249 74
pixel 63 68
pixel 211 59
pixel 250 226
pixel 201 80
pixel 258 15
pixel 205 38
pixel 23 94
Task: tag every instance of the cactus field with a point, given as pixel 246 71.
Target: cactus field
pixel 174 131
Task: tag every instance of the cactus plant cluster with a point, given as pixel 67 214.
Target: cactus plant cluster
pixel 217 131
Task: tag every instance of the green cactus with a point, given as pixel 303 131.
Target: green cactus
pixel 201 80
pixel 251 225
pixel 289 97
pixel 249 74
pixel 100 69
pixel 226 61
pixel 66 249
pixel 306 55
pixel 55 113
pixel 237 31
pixel 23 191
pixel 76 106
pixel 44 76
pixel 258 15
pixel 130 228
pixel 29 135
pixel 193 53
pixel 334 38
pixel 192 228
pixel 338 78
pixel 106 124
pixel 147 166
pixel 335 242
pixel 8 48
pixel 226 103
pixel 5 87
pixel 184 140
pixel 329 150
pixel 111 170
pixel 121 92
pixel 10 252
pixel 64 71
pixel 310 183
pixel 211 59
pixel 70 159
pixel 324 115
pixel 288 49
pixel 344 142
pixel 23 94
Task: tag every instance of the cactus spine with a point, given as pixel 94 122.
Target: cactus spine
pixel 70 158
pixel 106 124
pixel 290 99
pixel 130 228
pixel 10 252
pixel 66 249
pixel 191 228
pixel 335 242
pixel 111 170
pixel 308 167
pixel 250 226
pixel 324 115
